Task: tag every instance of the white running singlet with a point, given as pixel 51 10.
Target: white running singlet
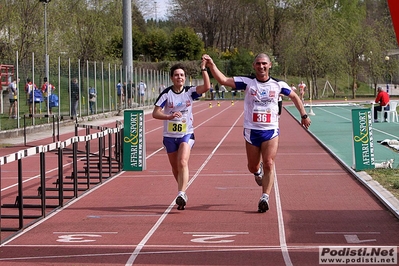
pixel 182 102
pixel 261 101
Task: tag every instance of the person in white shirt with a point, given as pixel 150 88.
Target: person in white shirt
pixel 261 118
pixel 142 90
pixel 222 90
pixel 174 107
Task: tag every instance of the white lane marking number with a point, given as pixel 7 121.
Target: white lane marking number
pixel 212 239
pixel 354 239
pixel 77 238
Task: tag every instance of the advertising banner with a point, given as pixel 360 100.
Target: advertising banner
pixel 134 154
pixel 363 146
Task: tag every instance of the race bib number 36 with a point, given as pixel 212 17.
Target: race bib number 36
pixel 261 117
pixel 177 127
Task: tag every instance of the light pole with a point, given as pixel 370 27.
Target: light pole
pixel 46 60
pixel 155 5
pixel 371 69
pixel 388 76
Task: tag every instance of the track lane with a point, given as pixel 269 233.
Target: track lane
pixel 313 189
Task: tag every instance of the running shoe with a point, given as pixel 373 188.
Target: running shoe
pixel 258 177
pixel 181 201
pixel 263 205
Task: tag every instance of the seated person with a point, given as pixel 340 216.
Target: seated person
pixel 383 99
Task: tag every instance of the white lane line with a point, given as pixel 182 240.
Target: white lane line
pixel 281 230
pixel 347 233
pixel 142 243
pixel 93 216
pixel 98 233
pixel 191 246
pixel 219 233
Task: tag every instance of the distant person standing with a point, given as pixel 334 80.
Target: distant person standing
pixel 92 100
pixel 130 93
pixel 119 93
pixel 212 92
pixel 13 98
pixel 217 91
pixel 142 90
pixel 383 100
pixel 302 89
pixel 30 89
pixel 74 97
pixel 47 90
pixel 222 90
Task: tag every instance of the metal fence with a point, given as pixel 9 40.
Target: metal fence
pixel 102 77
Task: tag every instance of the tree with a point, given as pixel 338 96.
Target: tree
pixel 241 63
pixel 185 44
pixel 21 26
pixel 156 44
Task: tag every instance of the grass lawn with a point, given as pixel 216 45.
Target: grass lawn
pixel 388 178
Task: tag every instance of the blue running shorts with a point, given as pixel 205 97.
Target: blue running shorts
pixel 256 137
pixel 172 144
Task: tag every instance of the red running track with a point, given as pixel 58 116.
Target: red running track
pixel 131 219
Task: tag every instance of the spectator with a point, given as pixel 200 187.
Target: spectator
pixel 74 97
pixel 222 90
pixel 119 93
pixel 33 96
pixel 47 90
pixel 28 89
pixel 92 99
pixel 217 93
pixel 383 100
pixel 142 91
pixel 130 93
pixel 13 98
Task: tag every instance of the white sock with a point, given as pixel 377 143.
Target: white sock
pixel 258 172
pixel 181 193
pixel 266 196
